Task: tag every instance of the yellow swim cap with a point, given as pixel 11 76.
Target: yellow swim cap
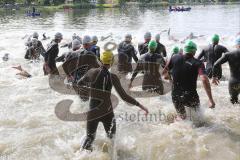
pixel 107 57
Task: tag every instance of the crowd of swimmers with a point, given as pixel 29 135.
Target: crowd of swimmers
pixel 86 66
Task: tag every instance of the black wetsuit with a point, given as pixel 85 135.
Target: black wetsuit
pixel 96 50
pixel 233 58
pixel 161 49
pixel 101 110
pixel 149 63
pixel 211 54
pixel 39 49
pixel 49 58
pixel 31 53
pixel 185 70
pixel 143 48
pixel 126 52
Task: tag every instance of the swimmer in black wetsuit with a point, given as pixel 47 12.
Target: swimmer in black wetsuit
pixel 160 47
pixel 211 54
pixel 185 70
pixel 51 55
pixel 143 47
pixel 126 52
pixel 101 82
pixel 149 63
pixel 233 59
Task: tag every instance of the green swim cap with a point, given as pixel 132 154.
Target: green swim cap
pixel 215 38
pixel 152 45
pixel 190 47
pixel 175 50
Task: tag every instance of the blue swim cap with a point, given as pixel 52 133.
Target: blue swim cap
pixel 237 42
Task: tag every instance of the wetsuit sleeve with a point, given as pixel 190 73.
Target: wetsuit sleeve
pixel 137 70
pixel 85 79
pixel 219 62
pixel 121 91
pixel 201 70
pixel 202 54
pixel 162 61
pixel 61 58
pixel 27 55
pixel 134 52
pixel 41 47
pixel 164 52
pixel 225 50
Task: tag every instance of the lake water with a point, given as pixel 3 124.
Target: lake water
pixel 29 128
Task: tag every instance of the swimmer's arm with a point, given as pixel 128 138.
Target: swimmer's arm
pixel 134 55
pixel 202 54
pixel 121 91
pixel 164 52
pixel 137 70
pixel 219 62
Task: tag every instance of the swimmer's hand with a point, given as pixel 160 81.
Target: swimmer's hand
pixel 211 104
pixel 145 109
pixel 215 81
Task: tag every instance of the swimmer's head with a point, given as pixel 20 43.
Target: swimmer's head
pixel 147 36
pixel 107 58
pixel 128 38
pixel 175 50
pixel 35 35
pixel 215 39
pixel 58 37
pixel 76 44
pixel 190 48
pixel 34 42
pixel 152 45
pixel 237 42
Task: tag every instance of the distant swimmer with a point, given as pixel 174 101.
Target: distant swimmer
pixel 211 54
pixel 190 37
pixel 39 47
pixel 143 47
pixel 185 71
pixel 161 49
pixel 149 63
pixel 103 38
pixel 31 53
pixel 23 73
pixel 49 66
pixel 126 52
pixel 233 59
pixel 45 37
pixel 101 82
pixel 5 57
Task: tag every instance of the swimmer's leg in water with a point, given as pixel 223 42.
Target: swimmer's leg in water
pixel 22 72
pixel 234 91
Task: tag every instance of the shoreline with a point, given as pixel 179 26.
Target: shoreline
pixel 91 6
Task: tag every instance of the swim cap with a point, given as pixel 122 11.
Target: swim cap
pixel 74 36
pixel 86 39
pixel 215 38
pixel 175 50
pixel 147 35
pixel 94 38
pixel 152 45
pixel 58 35
pixel 237 42
pixel 128 36
pixel 190 47
pixel 76 44
pixel 157 37
pixel 35 35
pixel 107 57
